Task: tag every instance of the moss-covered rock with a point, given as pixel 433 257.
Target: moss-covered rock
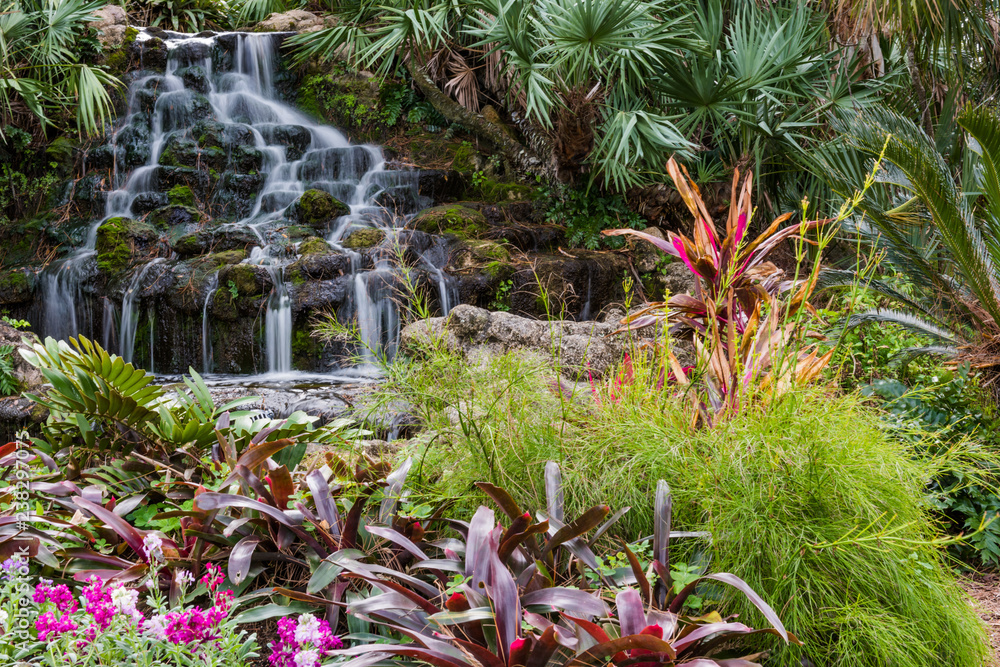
pixel 117 241
pixel 490 191
pixel 317 208
pixel 313 245
pixel 451 219
pixel 180 195
pixel 363 238
pixel 490 251
pixel 15 287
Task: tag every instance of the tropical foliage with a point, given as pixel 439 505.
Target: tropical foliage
pixel 744 336
pixel 44 75
pixel 935 223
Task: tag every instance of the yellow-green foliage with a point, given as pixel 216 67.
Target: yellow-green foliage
pixel 771 486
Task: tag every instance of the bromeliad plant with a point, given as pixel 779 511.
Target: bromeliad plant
pixel 497 612
pixel 746 333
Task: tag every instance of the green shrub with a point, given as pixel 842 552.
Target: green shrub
pixel 587 214
pixel 809 501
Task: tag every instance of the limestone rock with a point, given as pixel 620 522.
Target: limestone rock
pixel 290 21
pixel 110 23
pixel 575 348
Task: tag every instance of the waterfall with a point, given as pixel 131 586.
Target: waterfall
pixel 296 154
pixel 130 313
pixel 206 329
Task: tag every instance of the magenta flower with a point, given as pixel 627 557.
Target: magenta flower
pixel 59 595
pixel 303 642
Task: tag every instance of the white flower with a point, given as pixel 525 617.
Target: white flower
pixel 307 631
pixel 3 618
pixel 156 626
pixel 184 578
pixel 125 601
pixel 308 658
pixel 152 547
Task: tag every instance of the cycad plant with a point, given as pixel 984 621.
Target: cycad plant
pixel 937 224
pixel 43 76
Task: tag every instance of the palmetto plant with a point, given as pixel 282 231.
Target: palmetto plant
pixel 611 89
pixel 42 73
pixel 938 225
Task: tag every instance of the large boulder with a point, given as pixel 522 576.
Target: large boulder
pixel 110 24
pixel 575 348
pixel 317 208
pixel 290 21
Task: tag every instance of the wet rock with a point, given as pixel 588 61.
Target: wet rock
pixel 180 152
pixel 316 295
pixel 401 200
pixel 319 266
pixel 149 201
pixel 450 219
pixel 573 348
pixel 110 23
pixel 101 157
pixel 363 238
pixel 15 287
pixel 133 147
pixel 238 193
pixel 391 420
pixel 314 245
pixel 198 180
pixel 217 239
pixel 149 53
pixel 121 239
pixel 17 412
pixel 89 194
pixel 246 159
pixel 173 216
pixel 671 278
pixel 295 138
pixel 195 77
pixel 439 185
pixel 318 209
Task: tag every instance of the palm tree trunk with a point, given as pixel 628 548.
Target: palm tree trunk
pixel 516 153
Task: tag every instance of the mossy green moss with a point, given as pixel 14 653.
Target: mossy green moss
pixel 181 195
pixel 489 250
pixel 454 219
pixel 15 287
pixel 314 245
pixel 485 189
pixel 305 349
pixel 244 278
pixel 363 238
pixel 115 242
pixel 317 208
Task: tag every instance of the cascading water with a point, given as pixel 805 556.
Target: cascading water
pixel 226 82
pixel 206 329
pixel 130 312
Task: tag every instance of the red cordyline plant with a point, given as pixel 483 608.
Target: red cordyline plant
pixel 743 323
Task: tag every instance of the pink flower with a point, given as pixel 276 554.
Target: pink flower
pixel 59 595
pixel 302 642
pixel 48 623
